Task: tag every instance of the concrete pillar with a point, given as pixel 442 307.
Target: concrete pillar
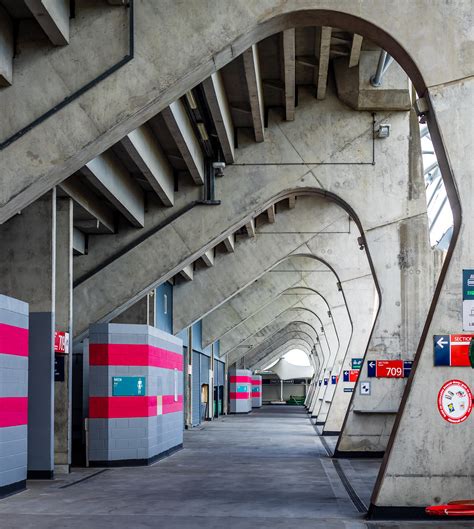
pixel 430 460
pixel 28 272
pixel 407 270
pixel 188 385
pixel 63 388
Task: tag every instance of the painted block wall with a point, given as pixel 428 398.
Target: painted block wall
pixel 240 390
pixel 136 429
pixel 256 391
pixel 13 394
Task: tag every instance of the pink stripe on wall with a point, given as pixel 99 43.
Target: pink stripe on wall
pixel 239 396
pixel 169 404
pixel 121 407
pixel 13 340
pixel 13 411
pixel 133 355
pixel 234 378
pixel 131 407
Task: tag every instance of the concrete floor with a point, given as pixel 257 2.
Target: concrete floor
pixel 264 470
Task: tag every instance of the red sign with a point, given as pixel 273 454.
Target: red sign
pixel 61 342
pixel 350 375
pixel 388 368
pixel 460 349
pixel 455 401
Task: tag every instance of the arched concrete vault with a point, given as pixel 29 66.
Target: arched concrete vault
pixel 294 271
pixel 309 300
pixel 157 82
pixel 300 331
pixel 280 351
pixel 292 315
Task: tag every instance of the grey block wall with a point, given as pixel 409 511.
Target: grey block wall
pixel 240 391
pixel 13 394
pixel 134 428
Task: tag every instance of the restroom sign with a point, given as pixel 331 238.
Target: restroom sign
pixel 455 401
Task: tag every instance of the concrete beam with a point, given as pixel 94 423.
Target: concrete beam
pixel 90 202
pixel 179 125
pixel 271 214
pixel 147 154
pixel 78 242
pixel 286 308
pixel 298 315
pixel 255 89
pixel 221 114
pixel 276 351
pixel 187 273
pixel 229 243
pixel 289 67
pixel 63 146
pixel 250 227
pixel 355 91
pixel 294 330
pixel 324 46
pixel 355 50
pixel 110 177
pixel 208 257
pixel 53 17
pixel 292 230
pixel 6 48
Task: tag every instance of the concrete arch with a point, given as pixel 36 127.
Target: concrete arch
pixel 295 315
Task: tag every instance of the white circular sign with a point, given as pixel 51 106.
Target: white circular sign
pixel 455 401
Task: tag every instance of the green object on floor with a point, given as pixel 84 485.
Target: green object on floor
pixel 295 400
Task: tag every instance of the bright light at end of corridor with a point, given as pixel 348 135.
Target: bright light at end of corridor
pixel 297 357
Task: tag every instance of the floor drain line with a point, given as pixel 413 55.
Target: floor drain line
pixel 84 479
pixel 326 446
pixel 358 503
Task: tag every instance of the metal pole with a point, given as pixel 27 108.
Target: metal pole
pixel 281 390
pixel 385 60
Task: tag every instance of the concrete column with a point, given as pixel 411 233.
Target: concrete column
pixel 188 386
pixel 430 460
pixel 226 389
pixel 28 272
pixel 63 389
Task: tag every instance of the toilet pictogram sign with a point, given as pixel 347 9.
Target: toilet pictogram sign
pixel 455 401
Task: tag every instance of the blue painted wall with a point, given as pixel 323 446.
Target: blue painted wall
pixel 164 307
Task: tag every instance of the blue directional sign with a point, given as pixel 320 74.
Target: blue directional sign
pixel 345 376
pixel 320 382
pixel 326 380
pixel 407 365
pixel 372 368
pixel 442 347
pixel 333 379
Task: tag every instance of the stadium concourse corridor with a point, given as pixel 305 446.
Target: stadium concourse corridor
pixel 264 470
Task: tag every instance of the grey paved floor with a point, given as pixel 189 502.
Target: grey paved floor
pixel 264 470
